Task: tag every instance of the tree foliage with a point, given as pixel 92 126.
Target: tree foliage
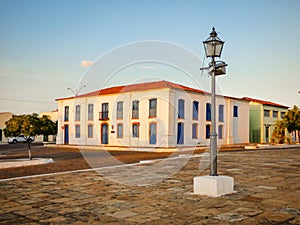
pixel 279 131
pixel 29 125
pixel 292 119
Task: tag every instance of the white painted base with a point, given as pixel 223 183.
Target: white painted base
pixel 214 186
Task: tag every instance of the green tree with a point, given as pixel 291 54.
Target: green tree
pixel 29 125
pixel 13 126
pixel 292 120
pixel 47 126
pixel 278 134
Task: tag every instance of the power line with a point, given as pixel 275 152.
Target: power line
pixel 24 100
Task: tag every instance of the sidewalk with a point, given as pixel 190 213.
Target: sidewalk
pixel 8 163
pixel 267 185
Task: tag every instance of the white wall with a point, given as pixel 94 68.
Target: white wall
pixel 235 130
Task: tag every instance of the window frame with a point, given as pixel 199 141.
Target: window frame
pixel 136 132
pixel 120 106
pixel 77 131
pixel 195 131
pixel 77 112
pixel 90 130
pixel 195 110
pixel 66 113
pixel 181 106
pixel 235 111
pixel 135 109
pixel 220 131
pixel 221 113
pixel 152 109
pixel 120 130
pixel 90 112
pixel 208 111
pixel 275 112
pixel 267 113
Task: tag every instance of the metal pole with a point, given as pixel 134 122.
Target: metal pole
pixel 213 134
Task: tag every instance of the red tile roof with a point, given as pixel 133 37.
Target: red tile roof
pixel 142 87
pixel 137 87
pixel 264 102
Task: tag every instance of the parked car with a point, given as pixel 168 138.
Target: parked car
pixel 20 138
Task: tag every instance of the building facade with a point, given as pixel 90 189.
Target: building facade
pixel 263 115
pixel 4 116
pixel 150 115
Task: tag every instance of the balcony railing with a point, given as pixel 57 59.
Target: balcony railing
pixel 103 115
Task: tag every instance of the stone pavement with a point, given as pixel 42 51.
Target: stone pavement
pixel 267 184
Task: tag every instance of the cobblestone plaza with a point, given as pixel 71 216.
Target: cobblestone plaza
pixel 267 185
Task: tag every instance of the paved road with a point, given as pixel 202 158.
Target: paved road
pixel 267 185
pixel 15 148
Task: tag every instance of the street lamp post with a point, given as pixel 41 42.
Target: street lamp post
pixel 213 46
pixel 213 185
pixel 76 91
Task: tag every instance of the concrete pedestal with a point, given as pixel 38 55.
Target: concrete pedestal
pixel 214 186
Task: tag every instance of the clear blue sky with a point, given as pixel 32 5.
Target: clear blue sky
pixel 42 43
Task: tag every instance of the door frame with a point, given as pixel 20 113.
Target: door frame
pixel 152 136
pixel 103 141
pixel 180 133
pixel 66 134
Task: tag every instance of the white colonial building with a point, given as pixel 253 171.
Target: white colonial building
pixel 150 115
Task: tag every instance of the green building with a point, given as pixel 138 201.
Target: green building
pixel 263 115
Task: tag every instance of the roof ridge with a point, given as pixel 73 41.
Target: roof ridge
pixel 265 102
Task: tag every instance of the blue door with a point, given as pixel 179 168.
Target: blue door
pixel 207 131
pixel 66 134
pixel 104 133
pixel 180 133
pixel 153 133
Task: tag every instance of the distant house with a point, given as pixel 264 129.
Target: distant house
pixel 263 115
pixel 4 116
pixel 150 115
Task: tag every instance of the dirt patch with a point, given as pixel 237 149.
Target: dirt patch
pixel 68 159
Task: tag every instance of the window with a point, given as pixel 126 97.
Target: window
pixel 207 131
pixel 120 130
pixel 208 111
pixel 77 113
pixel 135 109
pixel 66 113
pixel 220 131
pixel 77 131
pixel 90 131
pixel 195 110
pixel 120 110
pixel 282 114
pixel 266 113
pixel 275 114
pixel 195 131
pixel 104 113
pixel 180 109
pixel 90 111
pixel 152 107
pixel 235 111
pixel 135 130
pixel 221 113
